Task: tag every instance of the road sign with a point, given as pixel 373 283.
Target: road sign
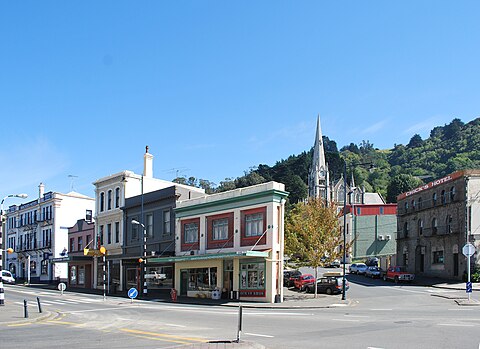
pixel 132 293
pixel 468 250
pixel 469 287
pixel 62 287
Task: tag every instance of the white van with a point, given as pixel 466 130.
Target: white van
pixel 7 277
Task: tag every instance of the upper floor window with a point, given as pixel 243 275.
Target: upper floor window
pixel 72 244
pixel 117 197
pixel 434 199
pixel 220 229
pixel 419 203
pixel 254 224
pixel 406 206
pixel 420 227
pixel 117 232
pixel 134 230
pixel 100 234
pixel 80 243
pixel 149 227
pixel 452 194
pixel 443 197
pixel 109 200
pixel 102 202
pixel 405 229
pixel 413 205
pixel 434 226
pixel 109 233
pixel 191 233
pixel 166 222
pixel 448 223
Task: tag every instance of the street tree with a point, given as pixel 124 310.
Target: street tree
pixel 312 234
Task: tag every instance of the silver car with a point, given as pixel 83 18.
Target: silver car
pixel 358 268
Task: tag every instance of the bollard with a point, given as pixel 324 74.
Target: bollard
pixel 25 309
pixel 2 293
pixel 39 305
pixel 239 331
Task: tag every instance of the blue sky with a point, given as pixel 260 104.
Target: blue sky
pixel 216 87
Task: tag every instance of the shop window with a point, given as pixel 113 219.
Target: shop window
pixel 438 257
pixel 73 275
pixel 202 279
pixel 159 277
pixel 252 276
pixel 44 266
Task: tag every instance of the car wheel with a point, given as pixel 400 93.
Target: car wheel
pixel 396 280
pixel 329 291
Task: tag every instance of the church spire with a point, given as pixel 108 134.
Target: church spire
pixel 318 178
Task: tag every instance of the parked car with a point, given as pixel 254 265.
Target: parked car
pixel 398 274
pixel 374 272
pixel 7 277
pixel 328 285
pixel 372 262
pixel 334 264
pixel 289 277
pixel 357 268
pixel 304 280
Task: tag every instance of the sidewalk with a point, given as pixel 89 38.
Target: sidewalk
pixel 13 314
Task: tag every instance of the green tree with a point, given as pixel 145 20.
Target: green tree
pixel 400 184
pixel 311 233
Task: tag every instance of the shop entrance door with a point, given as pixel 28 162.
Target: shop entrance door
pixel 183 282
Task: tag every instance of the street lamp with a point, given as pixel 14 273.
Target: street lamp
pixel 21 196
pixel 144 261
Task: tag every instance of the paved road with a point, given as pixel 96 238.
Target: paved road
pixel 381 315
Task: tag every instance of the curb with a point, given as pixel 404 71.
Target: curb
pixel 44 316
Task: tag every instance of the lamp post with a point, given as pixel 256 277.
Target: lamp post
pixel 21 196
pixel 144 261
pixel 344 295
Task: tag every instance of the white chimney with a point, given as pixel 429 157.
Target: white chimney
pixel 148 164
pixel 41 190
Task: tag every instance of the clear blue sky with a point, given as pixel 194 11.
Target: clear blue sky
pixel 215 87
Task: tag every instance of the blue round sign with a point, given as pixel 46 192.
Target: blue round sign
pixel 132 293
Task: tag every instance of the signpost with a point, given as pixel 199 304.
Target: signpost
pixel 468 251
pixel 62 287
pixel 132 293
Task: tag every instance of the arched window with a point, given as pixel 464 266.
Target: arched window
pixel 452 194
pixel 405 229
pixel 443 197
pixel 448 224
pixel 109 200
pixel 102 202
pixel 434 199
pixel 117 197
pixel 420 203
pixel 406 206
pixel 413 205
pixel 420 227
pixel 434 226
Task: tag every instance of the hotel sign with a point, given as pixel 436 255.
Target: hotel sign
pixel 430 185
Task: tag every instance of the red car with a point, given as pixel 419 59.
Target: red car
pixel 304 280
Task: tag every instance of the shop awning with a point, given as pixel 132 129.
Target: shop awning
pixel 201 257
pixel 70 259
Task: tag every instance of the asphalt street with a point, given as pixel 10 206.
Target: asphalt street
pixel 379 315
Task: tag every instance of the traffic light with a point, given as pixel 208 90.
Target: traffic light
pixel 10 250
pixel 103 250
pixel 140 260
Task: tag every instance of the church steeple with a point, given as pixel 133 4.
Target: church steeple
pixel 318 178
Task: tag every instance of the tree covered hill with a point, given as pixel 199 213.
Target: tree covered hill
pixel 454 146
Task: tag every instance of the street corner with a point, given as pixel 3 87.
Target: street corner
pixel 15 316
pixel 467 302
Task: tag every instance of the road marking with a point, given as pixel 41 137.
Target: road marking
pixel 382 309
pixel 460 309
pixel 350 320
pixel 259 335
pixel 277 313
pixel 456 325
pixel 138 332
pixel 174 325
pixel 362 316
pixel 338 305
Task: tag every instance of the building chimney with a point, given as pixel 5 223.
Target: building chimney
pixel 148 164
pixel 41 190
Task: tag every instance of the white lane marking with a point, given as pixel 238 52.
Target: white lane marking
pixel 362 316
pixel 456 325
pixel 382 309
pixel 338 305
pixel 460 309
pixel 377 348
pixel 259 335
pixel 277 313
pixel 175 325
pixel 351 320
